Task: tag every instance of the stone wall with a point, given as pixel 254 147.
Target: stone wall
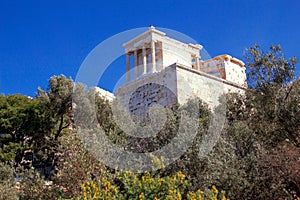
pixel 178 52
pixel 105 94
pixel 176 83
pixel 151 89
pixel 193 83
pixel 235 73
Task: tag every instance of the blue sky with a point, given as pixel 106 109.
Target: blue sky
pixel 39 39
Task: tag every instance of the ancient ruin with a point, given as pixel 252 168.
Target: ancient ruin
pixel 165 70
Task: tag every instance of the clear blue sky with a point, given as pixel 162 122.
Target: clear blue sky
pixel 39 39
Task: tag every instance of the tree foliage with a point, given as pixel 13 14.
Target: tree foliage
pixel 58 103
pixel 256 157
pixel 273 96
pixel 267 70
pixel 23 124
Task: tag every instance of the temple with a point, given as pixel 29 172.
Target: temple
pixel 153 51
pixel 162 70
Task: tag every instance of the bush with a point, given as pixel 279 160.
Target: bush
pixel 29 185
pixel 33 186
pixel 130 185
pixel 8 185
pixel 76 166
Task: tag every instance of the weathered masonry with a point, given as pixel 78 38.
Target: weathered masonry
pixel 162 70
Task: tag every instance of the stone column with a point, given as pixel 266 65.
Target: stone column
pixel 127 67
pixel 153 56
pixel 197 62
pixel 144 60
pixel 135 64
pixel 161 55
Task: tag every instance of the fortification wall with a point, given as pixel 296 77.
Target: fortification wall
pixel 174 84
pixel 193 83
pixel 156 88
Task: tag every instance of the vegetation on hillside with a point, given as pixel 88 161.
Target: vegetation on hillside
pixel 256 157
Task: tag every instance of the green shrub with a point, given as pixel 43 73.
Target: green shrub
pixel 8 185
pixel 33 186
pixel 130 185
